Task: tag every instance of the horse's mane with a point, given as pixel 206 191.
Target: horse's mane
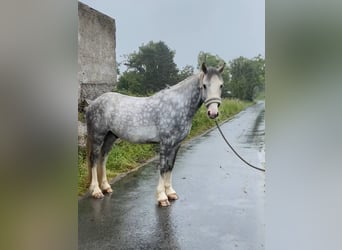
pixel 191 79
pixel 179 85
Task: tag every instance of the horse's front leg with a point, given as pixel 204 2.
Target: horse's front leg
pixel 165 191
pixel 170 192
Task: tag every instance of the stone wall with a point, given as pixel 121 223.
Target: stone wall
pixel 96 53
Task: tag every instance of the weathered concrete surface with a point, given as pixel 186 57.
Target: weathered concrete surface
pixel 82 134
pixel 96 53
pixel 221 204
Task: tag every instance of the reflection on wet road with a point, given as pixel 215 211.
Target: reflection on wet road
pixel 221 200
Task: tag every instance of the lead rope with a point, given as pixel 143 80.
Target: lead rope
pixel 225 139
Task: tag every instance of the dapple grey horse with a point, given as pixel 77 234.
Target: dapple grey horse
pixel 163 118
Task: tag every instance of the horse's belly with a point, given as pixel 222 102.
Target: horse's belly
pixel 141 134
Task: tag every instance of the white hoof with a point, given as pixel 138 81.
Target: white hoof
pixel 173 196
pixel 162 199
pixel 97 193
pixel 106 188
pixel 164 203
pixel 171 193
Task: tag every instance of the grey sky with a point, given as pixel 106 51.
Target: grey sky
pixel 228 28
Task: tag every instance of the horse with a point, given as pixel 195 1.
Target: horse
pixel 164 118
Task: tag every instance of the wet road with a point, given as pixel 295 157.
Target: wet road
pixel 221 200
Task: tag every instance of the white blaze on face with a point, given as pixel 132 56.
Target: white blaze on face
pixel 213 91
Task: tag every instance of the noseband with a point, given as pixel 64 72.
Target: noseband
pixel 209 101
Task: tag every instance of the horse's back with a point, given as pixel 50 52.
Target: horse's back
pixel 123 115
pixel 112 100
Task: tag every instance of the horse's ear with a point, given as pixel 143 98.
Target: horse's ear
pixel 204 68
pixel 220 69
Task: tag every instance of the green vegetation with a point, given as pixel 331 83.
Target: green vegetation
pixel 260 95
pixel 81 117
pixel 228 108
pixel 150 69
pixel 126 156
pixel 247 77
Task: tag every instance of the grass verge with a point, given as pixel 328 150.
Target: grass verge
pixel 126 156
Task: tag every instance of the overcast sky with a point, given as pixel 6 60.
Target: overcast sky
pixel 228 28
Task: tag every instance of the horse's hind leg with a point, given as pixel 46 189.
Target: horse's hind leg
pixel 106 147
pixel 90 176
pixel 94 150
pixel 170 192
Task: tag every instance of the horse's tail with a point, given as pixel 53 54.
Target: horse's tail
pixel 87 102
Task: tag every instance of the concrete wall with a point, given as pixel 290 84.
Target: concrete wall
pixel 96 53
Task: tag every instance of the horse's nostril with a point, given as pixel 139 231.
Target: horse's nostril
pixel 209 112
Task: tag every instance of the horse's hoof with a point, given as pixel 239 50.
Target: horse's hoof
pixel 97 195
pixel 164 203
pixel 172 196
pixel 108 190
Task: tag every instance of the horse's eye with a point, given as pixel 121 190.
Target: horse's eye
pixel 221 86
pixel 204 86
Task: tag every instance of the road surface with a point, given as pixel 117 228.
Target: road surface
pixel 221 200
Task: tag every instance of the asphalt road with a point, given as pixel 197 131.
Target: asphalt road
pixel 221 200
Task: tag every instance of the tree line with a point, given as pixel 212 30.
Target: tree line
pixel 152 68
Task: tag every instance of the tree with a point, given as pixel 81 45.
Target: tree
pixel 130 83
pixel 215 61
pixel 247 77
pixel 150 69
pixel 261 66
pixel 187 71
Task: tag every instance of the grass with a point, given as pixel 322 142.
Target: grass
pixel 126 156
pixel 228 108
pixel 81 117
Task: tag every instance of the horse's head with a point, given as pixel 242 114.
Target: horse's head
pixel 211 87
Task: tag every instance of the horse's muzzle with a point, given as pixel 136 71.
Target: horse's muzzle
pixel 212 115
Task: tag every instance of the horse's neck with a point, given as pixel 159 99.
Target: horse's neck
pixel 196 96
pixel 188 89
